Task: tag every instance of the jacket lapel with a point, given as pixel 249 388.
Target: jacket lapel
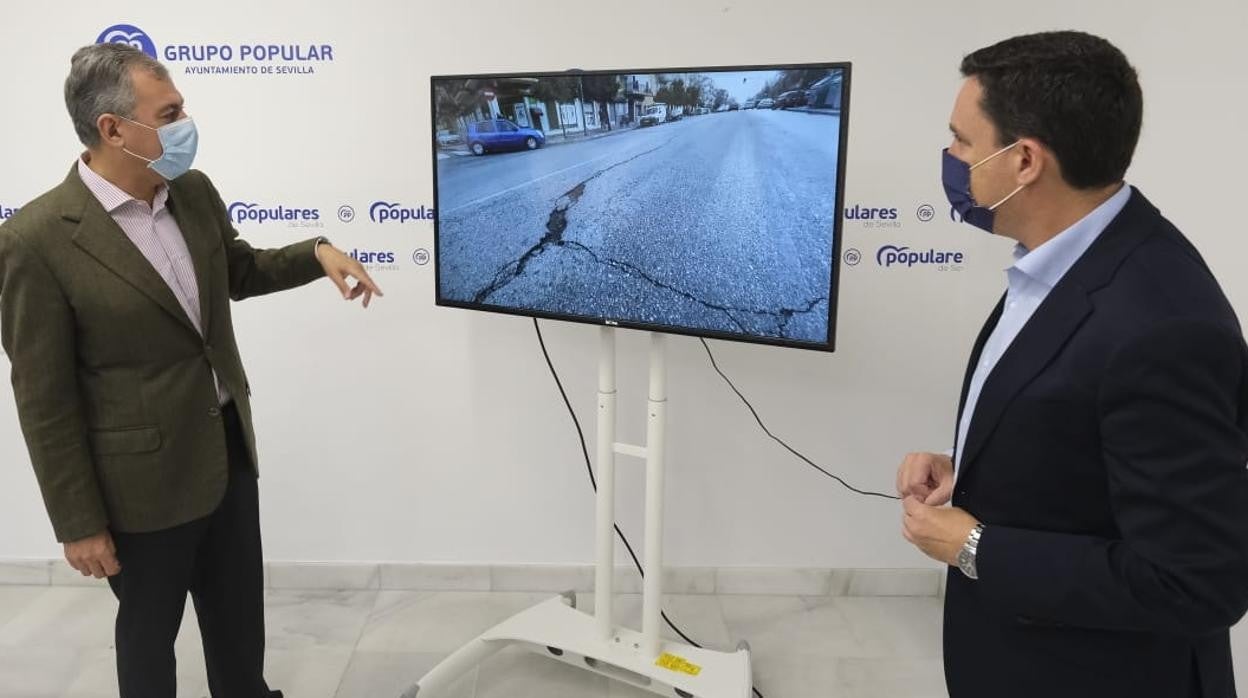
pixel 976 352
pixel 1041 338
pixel 1051 327
pixel 199 245
pixel 98 235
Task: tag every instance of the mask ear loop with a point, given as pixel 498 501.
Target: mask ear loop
pixel 997 205
pixel 126 150
pixel 972 166
pixel 1011 196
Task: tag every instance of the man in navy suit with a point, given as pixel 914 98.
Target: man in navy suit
pixel 1098 533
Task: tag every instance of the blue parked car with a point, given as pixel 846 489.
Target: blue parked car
pixel 501 134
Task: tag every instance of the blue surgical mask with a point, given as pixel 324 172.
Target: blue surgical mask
pixel 956 175
pixel 179 142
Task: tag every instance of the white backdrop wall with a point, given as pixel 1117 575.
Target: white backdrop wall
pixel 412 433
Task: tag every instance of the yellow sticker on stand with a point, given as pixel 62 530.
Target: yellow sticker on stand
pixel 674 663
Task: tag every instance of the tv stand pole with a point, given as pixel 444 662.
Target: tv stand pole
pixel 556 629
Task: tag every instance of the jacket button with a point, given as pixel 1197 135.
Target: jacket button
pixel 214 412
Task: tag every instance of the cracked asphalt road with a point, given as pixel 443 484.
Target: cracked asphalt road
pixel 719 222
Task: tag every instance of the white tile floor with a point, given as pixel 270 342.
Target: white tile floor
pixel 56 642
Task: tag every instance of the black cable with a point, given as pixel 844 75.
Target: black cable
pixel 593 481
pixel 790 449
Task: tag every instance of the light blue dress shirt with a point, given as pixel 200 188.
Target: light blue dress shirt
pixel 1032 277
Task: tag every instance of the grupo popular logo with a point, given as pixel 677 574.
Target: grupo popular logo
pixel 420 257
pixel 925 213
pixel 222 58
pixel 346 214
pixel 130 35
pixel 248 212
pixel 7 212
pixel 890 256
pixel 386 212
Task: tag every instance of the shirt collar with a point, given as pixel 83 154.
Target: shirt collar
pixel 110 196
pixel 1048 263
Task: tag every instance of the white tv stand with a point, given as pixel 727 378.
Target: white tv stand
pixel 558 630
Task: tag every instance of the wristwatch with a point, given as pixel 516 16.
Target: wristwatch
pixel 966 556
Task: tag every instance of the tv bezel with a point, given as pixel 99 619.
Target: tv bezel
pixel 837 219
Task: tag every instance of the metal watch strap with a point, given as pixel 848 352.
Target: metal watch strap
pixel 967 556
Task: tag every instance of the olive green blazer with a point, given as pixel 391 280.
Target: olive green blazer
pixel 114 385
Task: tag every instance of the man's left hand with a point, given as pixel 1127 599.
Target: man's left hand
pixel 339 267
pixel 940 532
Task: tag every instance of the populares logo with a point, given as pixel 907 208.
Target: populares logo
pixel 375 260
pixel 894 256
pixel 870 213
pixel 385 212
pixel 244 212
pixel 874 216
pixel 244 58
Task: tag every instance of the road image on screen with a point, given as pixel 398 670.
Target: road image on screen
pixel 701 202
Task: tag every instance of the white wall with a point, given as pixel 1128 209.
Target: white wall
pixel 414 433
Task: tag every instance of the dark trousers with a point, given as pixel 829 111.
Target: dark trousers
pixel 217 560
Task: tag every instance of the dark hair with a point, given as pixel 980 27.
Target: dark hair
pixel 1072 91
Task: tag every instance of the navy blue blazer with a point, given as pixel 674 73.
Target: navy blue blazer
pixel 1107 458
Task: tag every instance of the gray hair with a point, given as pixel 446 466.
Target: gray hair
pixel 100 82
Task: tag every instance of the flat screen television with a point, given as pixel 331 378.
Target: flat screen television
pixel 699 201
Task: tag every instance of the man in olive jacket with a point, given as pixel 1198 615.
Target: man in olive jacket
pixel 115 292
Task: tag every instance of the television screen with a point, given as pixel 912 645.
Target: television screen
pixel 691 201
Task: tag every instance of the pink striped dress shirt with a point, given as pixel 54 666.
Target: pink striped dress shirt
pixel 154 231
